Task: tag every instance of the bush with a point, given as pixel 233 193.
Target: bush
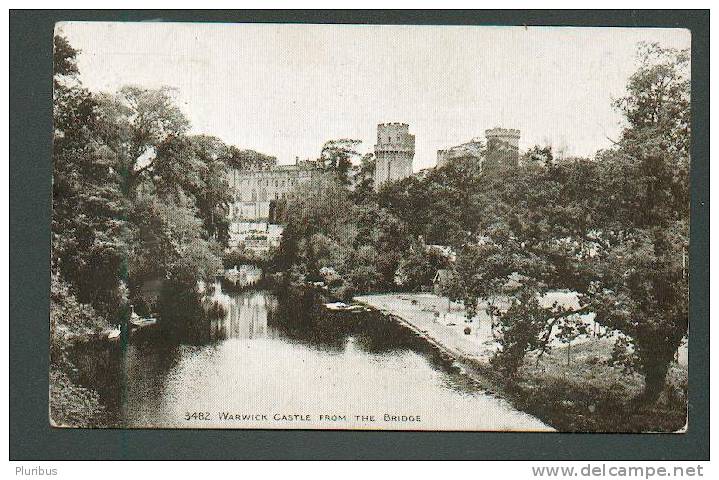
pixel 72 405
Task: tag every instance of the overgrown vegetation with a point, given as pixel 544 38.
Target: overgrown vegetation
pixel 589 394
pixel 136 198
pixel 612 230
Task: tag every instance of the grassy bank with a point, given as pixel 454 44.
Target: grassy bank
pixel 586 394
pixel 579 392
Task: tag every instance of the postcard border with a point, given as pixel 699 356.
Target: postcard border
pixel 32 438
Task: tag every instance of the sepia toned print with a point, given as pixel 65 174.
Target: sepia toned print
pixel 370 227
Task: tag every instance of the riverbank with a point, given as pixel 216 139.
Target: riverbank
pixel 570 389
pixel 442 322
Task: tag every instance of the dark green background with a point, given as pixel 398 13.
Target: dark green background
pixel 30 210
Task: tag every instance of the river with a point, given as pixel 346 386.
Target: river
pixel 279 360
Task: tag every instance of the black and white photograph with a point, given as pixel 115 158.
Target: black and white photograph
pixel 370 227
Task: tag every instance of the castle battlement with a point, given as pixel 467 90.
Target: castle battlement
pixel 507 137
pixel 502 132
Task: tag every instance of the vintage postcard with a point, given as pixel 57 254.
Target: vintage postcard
pixel 370 227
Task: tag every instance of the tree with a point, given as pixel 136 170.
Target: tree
pixel 64 58
pixel 419 266
pixel 136 123
pixel 534 237
pixel 319 206
pixel 170 243
pixel 338 155
pixel 88 239
pixel 363 180
pixel 542 155
pixel 174 186
pixel 196 165
pixel 613 230
pixel 657 104
pixel 249 159
pixel 89 230
pixel 213 199
pixel 362 243
pixel 439 207
pixel 643 267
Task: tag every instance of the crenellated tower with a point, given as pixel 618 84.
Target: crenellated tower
pixel 394 153
pixel 502 146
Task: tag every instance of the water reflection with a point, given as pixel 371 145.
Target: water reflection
pixel 247 315
pixel 282 351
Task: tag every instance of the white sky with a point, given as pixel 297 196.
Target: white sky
pixel 286 89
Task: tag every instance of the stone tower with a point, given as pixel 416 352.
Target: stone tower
pixel 393 152
pixel 502 146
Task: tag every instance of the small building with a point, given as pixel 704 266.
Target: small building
pixel 440 280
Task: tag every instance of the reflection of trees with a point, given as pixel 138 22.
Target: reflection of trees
pixel 124 378
pixel 115 372
pixel 299 316
pixel 246 316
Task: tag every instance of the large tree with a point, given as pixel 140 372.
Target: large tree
pixel 643 269
pixel 89 229
pixel 657 102
pixel 439 207
pixel 137 122
pixel 613 230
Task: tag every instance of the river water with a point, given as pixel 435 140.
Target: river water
pixel 280 360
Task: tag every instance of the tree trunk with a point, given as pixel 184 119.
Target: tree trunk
pixel 654 381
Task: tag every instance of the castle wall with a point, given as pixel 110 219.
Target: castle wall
pixel 502 147
pixel 443 156
pixel 253 190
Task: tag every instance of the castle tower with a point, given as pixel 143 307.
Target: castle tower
pixel 393 152
pixel 502 146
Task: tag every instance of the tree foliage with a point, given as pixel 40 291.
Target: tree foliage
pixel 613 230
pixel 325 229
pixel 338 156
pixel 249 159
pixel 88 231
pixel 134 195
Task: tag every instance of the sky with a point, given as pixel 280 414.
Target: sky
pixel 286 89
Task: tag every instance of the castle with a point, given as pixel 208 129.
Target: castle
pixel 253 191
pixel 471 149
pixel 393 153
pixel 256 192
pixel 502 147
pixel 254 195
